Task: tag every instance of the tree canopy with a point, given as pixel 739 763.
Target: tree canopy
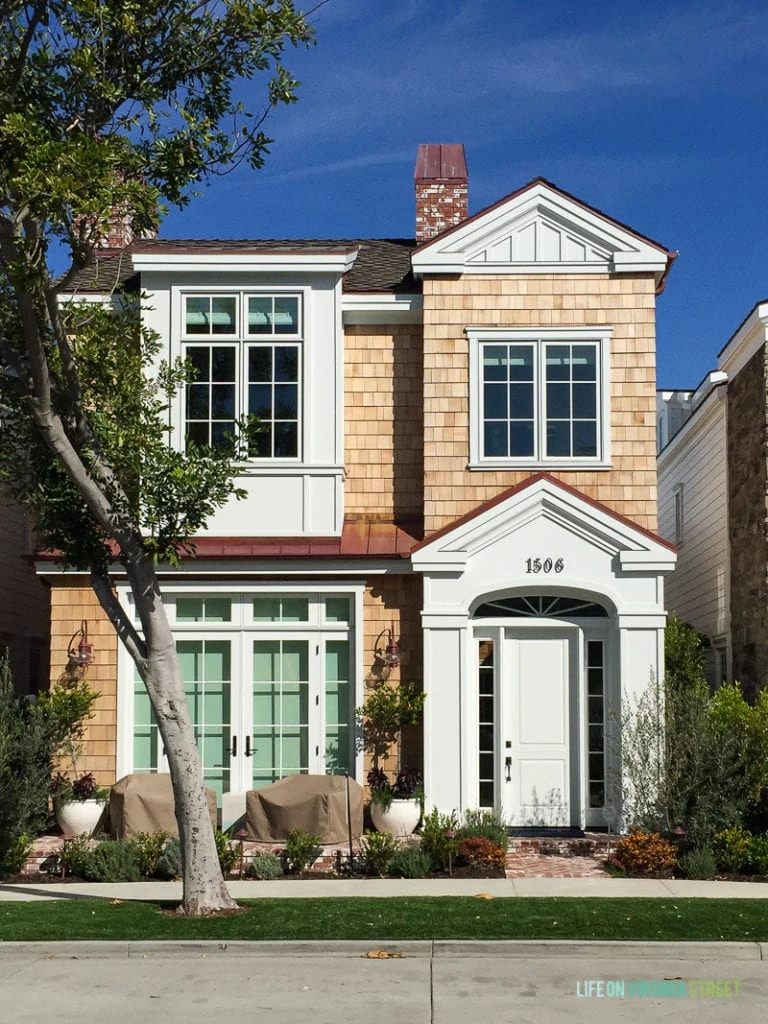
pixel 113 110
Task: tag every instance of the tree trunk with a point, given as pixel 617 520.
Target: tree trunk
pixel 205 891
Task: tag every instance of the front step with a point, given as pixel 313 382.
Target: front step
pixel 583 844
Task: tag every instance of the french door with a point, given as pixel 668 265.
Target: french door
pixel 268 701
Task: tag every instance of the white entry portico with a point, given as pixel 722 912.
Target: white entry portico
pixel 543 611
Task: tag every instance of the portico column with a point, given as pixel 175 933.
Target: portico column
pixel 445 660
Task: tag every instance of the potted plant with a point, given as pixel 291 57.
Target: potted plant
pixel 395 805
pixel 79 803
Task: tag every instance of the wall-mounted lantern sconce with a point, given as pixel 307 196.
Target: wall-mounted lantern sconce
pixel 392 650
pixel 80 653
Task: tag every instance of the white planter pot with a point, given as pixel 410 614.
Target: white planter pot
pixel 80 816
pixel 400 818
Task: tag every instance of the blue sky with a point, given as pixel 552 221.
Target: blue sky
pixel 655 113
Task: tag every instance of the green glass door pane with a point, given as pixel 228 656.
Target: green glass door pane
pixel 145 733
pixel 206 667
pixel 280 704
pixel 338 708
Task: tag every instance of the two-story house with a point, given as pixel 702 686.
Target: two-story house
pixel 457 454
pixel 713 495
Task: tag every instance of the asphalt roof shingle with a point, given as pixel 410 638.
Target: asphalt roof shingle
pixel 382 264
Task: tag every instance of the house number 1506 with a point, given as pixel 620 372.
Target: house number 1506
pixel 544 565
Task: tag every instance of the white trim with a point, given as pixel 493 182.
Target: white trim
pixel 599 335
pixel 381 308
pixel 276 262
pixel 271 567
pixel 607 246
pixel 752 334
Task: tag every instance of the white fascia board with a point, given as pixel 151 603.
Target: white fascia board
pixel 381 308
pixel 746 341
pixel 277 263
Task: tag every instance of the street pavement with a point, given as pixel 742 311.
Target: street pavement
pixel 337 983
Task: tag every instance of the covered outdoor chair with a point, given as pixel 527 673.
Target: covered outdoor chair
pixel 316 803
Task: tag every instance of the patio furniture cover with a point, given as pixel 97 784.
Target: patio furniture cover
pixel 317 803
pixel 144 803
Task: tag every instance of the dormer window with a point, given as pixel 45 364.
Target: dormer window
pixel 247 356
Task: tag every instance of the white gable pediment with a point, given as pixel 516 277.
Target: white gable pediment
pixel 544 511
pixel 539 229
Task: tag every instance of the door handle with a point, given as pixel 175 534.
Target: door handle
pixel 508 768
pixel 247 746
pixel 233 751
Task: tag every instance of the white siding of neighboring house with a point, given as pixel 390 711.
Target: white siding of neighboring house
pixel 698 590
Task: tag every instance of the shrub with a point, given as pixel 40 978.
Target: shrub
pixel 115 860
pixel 731 849
pixel 265 866
pixel 483 825
pixel 438 838
pixel 377 850
pixel 698 863
pixel 479 852
pixel 169 863
pixel 227 853
pixel 758 855
pixel 301 850
pixel 690 757
pixel 645 854
pixel 410 862
pixel 74 854
pixel 149 850
pixel 15 854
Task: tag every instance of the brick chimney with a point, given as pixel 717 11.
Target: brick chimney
pixel 441 188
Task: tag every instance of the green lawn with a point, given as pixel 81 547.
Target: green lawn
pixel 397 918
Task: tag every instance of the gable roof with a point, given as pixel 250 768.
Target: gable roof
pixel 517 489
pixel 590 238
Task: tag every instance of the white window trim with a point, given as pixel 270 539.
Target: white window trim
pixel 242 622
pixel 179 339
pixel 598 335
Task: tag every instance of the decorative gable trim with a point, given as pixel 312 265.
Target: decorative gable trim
pixel 541 229
pixel 636 549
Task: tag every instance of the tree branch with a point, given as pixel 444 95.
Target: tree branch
pixel 119 619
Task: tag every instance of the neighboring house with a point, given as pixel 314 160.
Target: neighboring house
pixel 713 495
pixel 458 447
pixel 24 602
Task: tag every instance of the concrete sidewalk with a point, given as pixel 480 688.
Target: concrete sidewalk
pixel 389 887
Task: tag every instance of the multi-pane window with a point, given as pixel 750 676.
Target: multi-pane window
pixel 256 376
pixel 596 721
pixel 540 400
pixel 486 726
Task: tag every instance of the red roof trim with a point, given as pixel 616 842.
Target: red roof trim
pixel 671 256
pixel 518 488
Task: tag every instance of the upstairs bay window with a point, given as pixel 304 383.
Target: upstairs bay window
pixel 538 400
pixel 251 369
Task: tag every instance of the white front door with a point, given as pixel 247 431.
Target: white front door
pixel 535 728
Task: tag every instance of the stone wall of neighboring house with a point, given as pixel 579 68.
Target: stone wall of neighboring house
pixel 71 602
pixel 625 302
pixel 748 532
pixel 24 602
pixel 383 449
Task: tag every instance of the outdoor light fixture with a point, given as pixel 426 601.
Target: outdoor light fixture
pixel 80 652
pixel 392 650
